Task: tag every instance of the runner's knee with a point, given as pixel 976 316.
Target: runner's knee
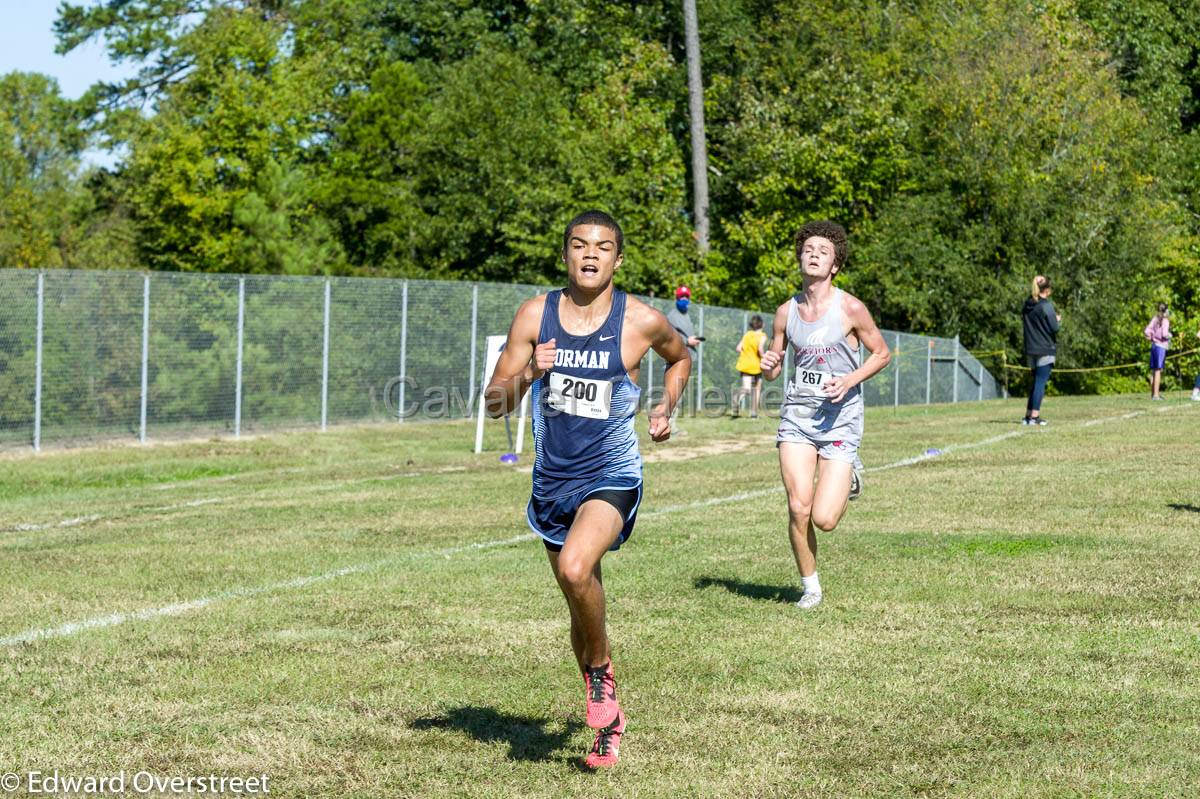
pixel 800 508
pixel 573 572
pixel 824 519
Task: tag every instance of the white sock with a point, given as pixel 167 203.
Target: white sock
pixel 812 584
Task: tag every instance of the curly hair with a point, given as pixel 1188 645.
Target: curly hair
pixel 826 229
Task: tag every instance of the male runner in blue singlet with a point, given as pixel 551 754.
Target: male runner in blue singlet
pixel 580 349
pixel 821 421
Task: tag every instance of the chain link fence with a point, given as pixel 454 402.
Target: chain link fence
pixel 90 355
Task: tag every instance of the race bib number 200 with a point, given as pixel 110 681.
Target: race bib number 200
pixel 580 396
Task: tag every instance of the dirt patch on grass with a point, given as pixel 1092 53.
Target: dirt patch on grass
pixel 721 446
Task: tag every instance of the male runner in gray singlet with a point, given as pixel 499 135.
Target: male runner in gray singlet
pixel 821 421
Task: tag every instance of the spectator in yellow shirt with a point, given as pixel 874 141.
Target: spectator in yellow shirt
pixel 750 349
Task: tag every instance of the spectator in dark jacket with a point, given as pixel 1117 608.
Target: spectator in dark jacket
pixel 1040 322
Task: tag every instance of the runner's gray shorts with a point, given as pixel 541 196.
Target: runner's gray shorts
pixel 835 429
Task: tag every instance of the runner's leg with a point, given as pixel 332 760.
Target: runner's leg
pixel 797 465
pixel 832 493
pixel 577 570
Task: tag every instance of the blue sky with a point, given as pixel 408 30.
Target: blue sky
pixel 27 45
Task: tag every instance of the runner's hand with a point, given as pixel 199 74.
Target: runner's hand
pixel 770 360
pixel 835 390
pixel 543 358
pixel 660 423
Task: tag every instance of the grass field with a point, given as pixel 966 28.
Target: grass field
pixel 358 613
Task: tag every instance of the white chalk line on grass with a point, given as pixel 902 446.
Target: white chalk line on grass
pixel 765 492
pixel 707 503
pixel 1103 419
pixel 1132 414
pixel 228 477
pixel 28 528
pixel 113 619
pixel 928 455
pixel 195 503
pixel 96 517
pixel 295 470
pixel 335 485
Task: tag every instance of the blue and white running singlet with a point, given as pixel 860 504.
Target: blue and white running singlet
pixel 583 408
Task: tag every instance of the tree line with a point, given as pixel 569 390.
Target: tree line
pixel 966 145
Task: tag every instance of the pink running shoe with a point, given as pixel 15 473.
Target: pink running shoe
pixel 601 689
pixel 607 747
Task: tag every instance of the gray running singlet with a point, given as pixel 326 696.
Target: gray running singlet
pixel 822 352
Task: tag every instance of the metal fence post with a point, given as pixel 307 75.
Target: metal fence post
pixel 403 347
pixel 786 352
pixel 700 365
pixel 961 360
pixel 237 395
pixel 145 352
pixel 325 364
pixel 1004 372
pixel 650 380
pixel 896 384
pixel 474 336
pixel 37 369
pixel 956 367
pixel 929 373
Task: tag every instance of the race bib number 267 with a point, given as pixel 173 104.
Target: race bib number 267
pixel 808 382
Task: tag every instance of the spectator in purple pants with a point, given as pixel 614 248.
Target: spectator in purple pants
pixel 1196 385
pixel 1159 333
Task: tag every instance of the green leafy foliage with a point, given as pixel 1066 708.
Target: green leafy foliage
pixel 967 146
pixel 39 148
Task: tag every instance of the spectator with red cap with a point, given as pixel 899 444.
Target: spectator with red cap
pixel 678 318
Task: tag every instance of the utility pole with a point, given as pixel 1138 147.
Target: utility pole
pixel 691 28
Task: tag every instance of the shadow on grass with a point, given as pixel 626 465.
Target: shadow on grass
pixel 769 593
pixel 527 738
pixel 1180 506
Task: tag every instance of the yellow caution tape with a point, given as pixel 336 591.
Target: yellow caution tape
pixel 1105 368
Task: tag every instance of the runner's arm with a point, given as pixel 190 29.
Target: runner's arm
pixel 869 336
pixel 670 347
pixel 521 363
pixel 772 359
